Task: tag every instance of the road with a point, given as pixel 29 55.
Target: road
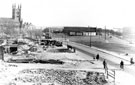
pixel 113 44
pixel 112 60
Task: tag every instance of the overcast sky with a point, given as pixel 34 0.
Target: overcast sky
pixel 112 13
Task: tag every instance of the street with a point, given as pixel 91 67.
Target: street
pixel 112 60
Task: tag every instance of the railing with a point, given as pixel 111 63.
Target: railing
pixel 111 73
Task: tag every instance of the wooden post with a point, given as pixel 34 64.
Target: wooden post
pixel 114 77
pixel 105 32
pixel 1 52
pixel 107 74
pixel 90 36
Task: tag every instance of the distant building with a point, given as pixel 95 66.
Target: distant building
pixel 80 31
pixel 13 22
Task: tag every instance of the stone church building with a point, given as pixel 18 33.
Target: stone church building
pixel 13 22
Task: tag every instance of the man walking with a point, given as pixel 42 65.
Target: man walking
pixel 97 57
pixel 105 65
pixel 122 64
pixel 131 61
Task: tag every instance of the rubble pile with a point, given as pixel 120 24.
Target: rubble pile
pixel 60 50
pixel 28 54
pixel 60 77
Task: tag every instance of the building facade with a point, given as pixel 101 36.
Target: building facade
pixel 14 21
pixel 80 31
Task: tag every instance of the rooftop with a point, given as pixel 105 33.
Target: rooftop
pixel 9 22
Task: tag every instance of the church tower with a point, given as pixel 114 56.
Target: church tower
pixel 16 12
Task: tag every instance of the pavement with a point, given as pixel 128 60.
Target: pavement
pixel 103 53
pixel 113 59
pixel 122 77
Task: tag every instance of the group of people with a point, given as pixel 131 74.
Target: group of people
pixel 97 57
pixel 105 63
pixel 122 63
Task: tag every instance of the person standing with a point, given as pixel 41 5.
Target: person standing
pixel 94 57
pixel 97 57
pixel 122 64
pixel 131 61
pixel 105 65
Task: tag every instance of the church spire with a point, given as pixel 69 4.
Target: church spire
pixel 16 12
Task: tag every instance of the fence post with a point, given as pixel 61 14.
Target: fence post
pixel 111 74
pixel 114 77
pixel 107 74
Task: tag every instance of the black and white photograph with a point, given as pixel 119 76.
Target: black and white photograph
pixel 67 42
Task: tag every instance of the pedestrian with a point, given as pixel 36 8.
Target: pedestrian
pixel 94 58
pixel 97 57
pixel 122 64
pixel 105 65
pixel 131 61
pixel 126 54
pixel 74 50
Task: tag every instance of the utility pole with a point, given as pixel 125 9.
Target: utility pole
pixel 66 39
pixel 90 35
pixel 20 21
pixel 105 32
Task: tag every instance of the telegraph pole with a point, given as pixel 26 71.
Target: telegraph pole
pixel 90 35
pixel 20 21
pixel 66 39
pixel 105 32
